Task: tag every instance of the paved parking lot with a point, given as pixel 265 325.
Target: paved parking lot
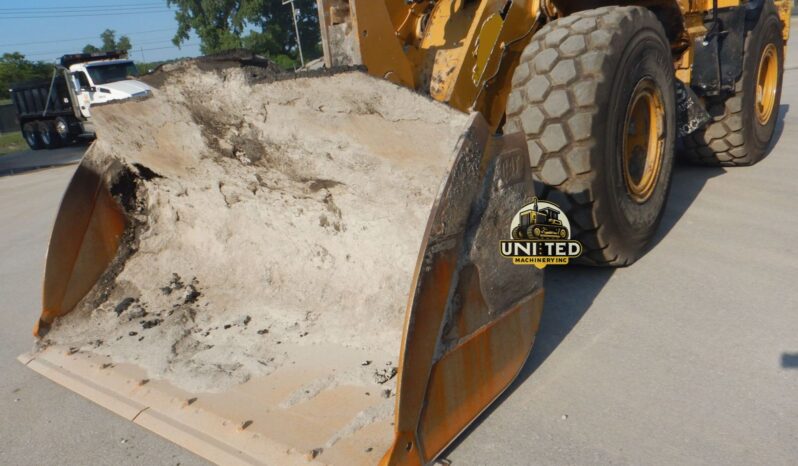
pixel 688 357
pixel 28 160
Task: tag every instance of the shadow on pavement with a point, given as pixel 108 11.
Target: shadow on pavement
pixel 28 160
pixel 783 109
pixel 688 181
pixel 571 290
pixel 789 360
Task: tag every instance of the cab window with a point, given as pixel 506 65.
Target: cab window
pixel 104 74
pixel 83 80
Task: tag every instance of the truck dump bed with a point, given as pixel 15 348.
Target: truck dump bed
pixel 30 99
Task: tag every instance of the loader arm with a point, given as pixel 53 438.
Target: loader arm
pixel 459 52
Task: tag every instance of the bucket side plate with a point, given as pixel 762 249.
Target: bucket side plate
pixel 473 315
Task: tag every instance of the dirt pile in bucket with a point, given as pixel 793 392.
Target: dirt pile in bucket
pixel 267 213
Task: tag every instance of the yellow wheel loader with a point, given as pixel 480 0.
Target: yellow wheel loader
pixel 282 270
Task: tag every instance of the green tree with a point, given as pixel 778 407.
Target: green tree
pixel 15 68
pixel 109 43
pixel 124 44
pixel 108 38
pixel 263 26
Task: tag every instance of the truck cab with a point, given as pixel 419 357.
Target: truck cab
pixel 101 81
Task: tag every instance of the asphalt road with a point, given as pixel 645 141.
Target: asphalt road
pixel 688 357
pixel 20 162
pixel 42 423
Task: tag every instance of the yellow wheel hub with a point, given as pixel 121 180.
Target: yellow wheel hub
pixel 643 140
pixel 767 82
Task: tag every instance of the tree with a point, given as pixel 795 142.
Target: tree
pixel 124 44
pixel 15 68
pixel 109 43
pixel 263 26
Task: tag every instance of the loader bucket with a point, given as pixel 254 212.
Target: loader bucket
pixel 84 241
pixel 243 378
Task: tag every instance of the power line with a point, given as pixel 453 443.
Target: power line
pixel 43 14
pixel 140 12
pixel 133 50
pixel 57 11
pixel 58 52
pixel 83 7
pixel 171 47
pixel 35 53
pixel 154 41
pixel 84 38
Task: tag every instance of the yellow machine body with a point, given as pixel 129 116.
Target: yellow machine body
pixel 464 52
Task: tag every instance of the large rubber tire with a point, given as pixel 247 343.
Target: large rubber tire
pixel 48 135
pixel 735 137
pixel 30 132
pixel 570 96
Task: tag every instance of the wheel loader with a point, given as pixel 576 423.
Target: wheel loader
pixel 220 204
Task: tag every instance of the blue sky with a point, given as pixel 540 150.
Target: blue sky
pixel 47 29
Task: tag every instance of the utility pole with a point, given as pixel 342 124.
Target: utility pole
pixel 296 29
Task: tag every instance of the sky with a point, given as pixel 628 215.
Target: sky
pixel 46 29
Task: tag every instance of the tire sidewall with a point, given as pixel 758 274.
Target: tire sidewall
pixel 31 136
pixel 767 30
pixel 646 56
pixel 48 135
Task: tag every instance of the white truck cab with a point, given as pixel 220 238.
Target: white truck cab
pixel 102 81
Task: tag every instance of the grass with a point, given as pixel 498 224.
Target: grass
pixel 11 142
pixel 5 101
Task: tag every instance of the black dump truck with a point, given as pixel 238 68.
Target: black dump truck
pixel 46 113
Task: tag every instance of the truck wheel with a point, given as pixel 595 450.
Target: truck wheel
pixel 63 131
pixel 742 131
pixel 30 132
pixel 48 135
pixel 594 94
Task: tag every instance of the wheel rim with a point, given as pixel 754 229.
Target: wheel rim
pixel 767 84
pixel 62 128
pixel 643 140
